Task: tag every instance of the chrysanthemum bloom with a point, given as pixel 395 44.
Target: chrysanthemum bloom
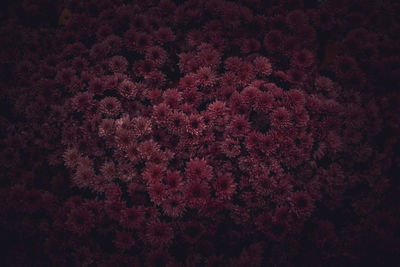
pixel 164 35
pixel 208 56
pixel 195 124
pixel 250 94
pixel 123 240
pixel 198 169
pixel 80 220
pixel 158 258
pixel 84 176
pixel 302 204
pixel 334 142
pixel 71 157
pixel 143 41
pixel 280 118
pixel 294 99
pixel 118 64
pixel 157 192
pixel 230 147
pixel 161 113
pixel 262 65
pixel 123 138
pixel 273 40
pixel 82 101
pixel 192 231
pixel 110 106
pixel 172 97
pixel 173 179
pixel 153 172
pixel 148 148
pixel 239 126
pixel 159 234
pixel 141 126
pixel 196 193
pixel 156 54
pixel 174 206
pixel 177 122
pixel 225 186
pixel 296 76
pixel 131 218
pixel 106 127
pixel 108 170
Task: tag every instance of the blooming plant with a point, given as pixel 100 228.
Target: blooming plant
pixel 202 133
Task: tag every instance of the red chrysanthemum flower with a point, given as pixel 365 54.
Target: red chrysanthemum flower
pixel 173 180
pixel 118 64
pixel 141 126
pixel 230 147
pixel 262 65
pixel 124 138
pixel 110 106
pixel 174 206
pixel 273 40
pixel 195 124
pixel 225 186
pixel 128 89
pixel 161 113
pixel 159 234
pixel 153 172
pixel 158 258
pixel 205 76
pixel 239 126
pixel 196 194
pixel 156 54
pixel 177 122
pixel 71 157
pixel 82 101
pixel 80 220
pixel 172 97
pixel 123 240
pixel 264 102
pixel 131 218
pixel 199 170
pixel 108 170
pixel 106 127
pixel 148 148
pixel 84 176
pixel 280 118
pixel 302 204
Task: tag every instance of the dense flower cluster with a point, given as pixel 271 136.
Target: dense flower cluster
pixel 207 133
